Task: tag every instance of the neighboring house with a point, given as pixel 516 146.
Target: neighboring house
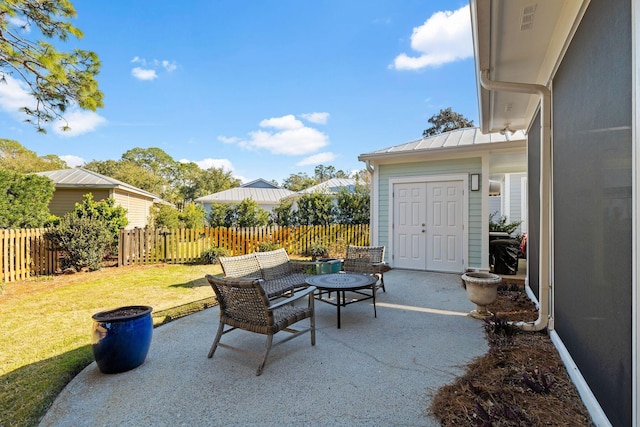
pixel 567 72
pixel 265 193
pixel 508 198
pixel 72 184
pixel 430 197
pixel 331 186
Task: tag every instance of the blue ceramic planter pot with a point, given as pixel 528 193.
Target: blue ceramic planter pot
pixel 121 338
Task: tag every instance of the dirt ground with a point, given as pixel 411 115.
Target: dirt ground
pixel 521 381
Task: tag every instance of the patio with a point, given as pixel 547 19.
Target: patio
pixel 372 371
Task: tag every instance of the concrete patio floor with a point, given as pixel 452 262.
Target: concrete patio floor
pixel 372 372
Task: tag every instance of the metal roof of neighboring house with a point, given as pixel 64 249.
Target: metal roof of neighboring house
pixel 331 186
pixel 238 194
pixel 459 139
pixel 83 178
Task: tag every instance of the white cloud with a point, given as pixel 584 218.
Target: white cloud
pixel 317 159
pixel 148 70
pixel 169 66
pixel 319 118
pixel 444 37
pixel 285 135
pixel 19 22
pixel 73 161
pixel 228 140
pixel 207 163
pixel 287 122
pixel 14 95
pixel 79 121
pixel 143 74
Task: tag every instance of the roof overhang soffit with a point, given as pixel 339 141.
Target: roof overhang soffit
pixel 521 41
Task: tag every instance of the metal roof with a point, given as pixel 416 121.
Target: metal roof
pixel 459 139
pixel 331 186
pixel 236 195
pixel 84 178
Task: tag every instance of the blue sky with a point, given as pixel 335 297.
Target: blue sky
pixel 263 88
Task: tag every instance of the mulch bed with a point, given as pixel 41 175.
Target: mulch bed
pixel 521 381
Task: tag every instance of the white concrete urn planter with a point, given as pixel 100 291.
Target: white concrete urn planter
pixel 482 290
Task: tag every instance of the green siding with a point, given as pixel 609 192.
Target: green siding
pixel 426 168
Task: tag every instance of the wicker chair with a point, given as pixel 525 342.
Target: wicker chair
pixel 366 260
pixel 244 305
pixel 281 275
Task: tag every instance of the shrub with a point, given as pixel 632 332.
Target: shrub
pixel 83 242
pixel 267 246
pixel 317 250
pixel 114 217
pixel 211 255
pixel 501 224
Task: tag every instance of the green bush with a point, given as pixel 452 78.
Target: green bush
pixel 114 217
pixel 501 224
pixel 317 250
pixel 267 246
pixel 83 241
pixel 211 255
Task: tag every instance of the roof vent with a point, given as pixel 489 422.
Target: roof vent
pixel 528 12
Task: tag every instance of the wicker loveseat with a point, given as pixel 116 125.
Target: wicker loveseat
pixel 280 274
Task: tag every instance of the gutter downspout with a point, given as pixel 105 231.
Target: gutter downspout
pixel 369 167
pixel 545 192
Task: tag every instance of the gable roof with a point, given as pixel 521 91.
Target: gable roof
pixel 81 178
pixel 332 185
pixel 238 194
pixel 455 140
pixel 260 183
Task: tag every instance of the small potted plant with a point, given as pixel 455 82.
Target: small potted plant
pixel 121 338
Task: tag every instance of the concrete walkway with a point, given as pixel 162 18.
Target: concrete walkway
pixel 371 372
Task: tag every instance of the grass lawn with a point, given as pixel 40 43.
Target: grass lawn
pixel 45 325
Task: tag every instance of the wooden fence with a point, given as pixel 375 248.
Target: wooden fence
pixel 149 246
pixel 24 253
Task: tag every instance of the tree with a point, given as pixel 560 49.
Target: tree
pixel 129 172
pixel 192 216
pixel 283 213
pixel 250 214
pixel 445 121
pixel 353 207
pixel 298 181
pixel 24 200
pixel 56 79
pixel 324 173
pixel 316 209
pixel 208 181
pixel 15 157
pixel 220 215
pixel 165 216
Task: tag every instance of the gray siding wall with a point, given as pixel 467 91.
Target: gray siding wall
pixel 444 167
pixel 592 115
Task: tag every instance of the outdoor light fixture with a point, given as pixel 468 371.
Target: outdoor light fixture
pixel 475 181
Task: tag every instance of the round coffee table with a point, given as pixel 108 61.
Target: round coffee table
pixel 340 283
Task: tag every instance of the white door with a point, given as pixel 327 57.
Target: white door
pixel 444 226
pixel 428 226
pixel 409 222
